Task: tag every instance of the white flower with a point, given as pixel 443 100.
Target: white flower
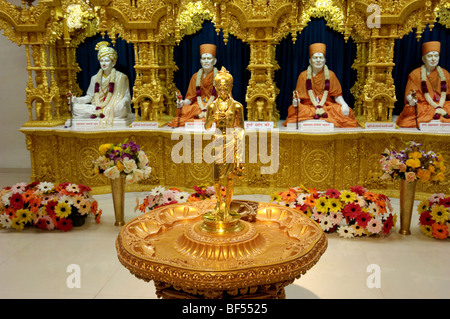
pixel 5 198
pixel 103 162
pixel 129 164
pixel 286 204
pixel 45 187
pixel 138 174
pixel 301 198
pixel 440 111
pixel 131 179
pixel 158 190
pixel 73 188
pixel 5 221
pixel 182 197
pixel 373 208
pixel 326 223
pixel 346 231
pixel 320 111
pixel 18 188
pixel 143 160
pixel 66 199
pixel 112 172
pixel 147 171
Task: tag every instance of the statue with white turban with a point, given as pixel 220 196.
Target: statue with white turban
pixel 108 96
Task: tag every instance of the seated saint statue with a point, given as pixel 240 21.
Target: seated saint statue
pixel 318 94
pixel 108 96
pixel 201 91
pixel 427 95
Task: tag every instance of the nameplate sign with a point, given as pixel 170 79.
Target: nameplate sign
pixel 197 126
pixel 380 126
pixel 145 125
pixel 258 125
pixel 435 126
pixel 82 124
pixel 312 126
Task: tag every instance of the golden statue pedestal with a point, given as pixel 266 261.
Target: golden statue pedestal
pixel 188 256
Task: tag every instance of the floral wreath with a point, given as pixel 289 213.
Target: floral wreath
pixel 439 111
pixel 101 103
pixel 203 108
pixel 319 112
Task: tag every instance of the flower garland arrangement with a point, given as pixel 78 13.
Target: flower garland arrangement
pixel 413 163
pixel 123 159
pixel 98 113
pixel 209 100
pixel 434 220
pixel 160 196
pixel 439 111
pixel 354 212
pixel 46 206
pixel 319 112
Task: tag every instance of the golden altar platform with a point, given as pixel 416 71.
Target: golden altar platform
pixel 339 159
pixel 273 246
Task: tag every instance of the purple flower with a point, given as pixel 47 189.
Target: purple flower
pixel 102 115
pixel 126 155
pixel 98 108
pixel 308 84
pixel 97 87
pixel 197 91
pixel 214 92
pixel 324 115
pixel 424 87
pixel 436 116
pixel 327 85
pixel 316 117
pixel 93 116
pixel 111 87
pixel 443 86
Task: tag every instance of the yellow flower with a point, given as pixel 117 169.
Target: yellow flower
pixel 322 205
pixel 24 215
pixel 439 177
pixel 426 229
pixel 415 155
pixel 423 206
pixel 347 196
pixel 431 169
pixel 117 148
pixel 275 197
pixel 62 210
pixel 103 148
pixel 17 223
pixel 120 166
pixel 440 158
pixel 413 162
pixel 335 205
pixel 439 213
pixel 424 175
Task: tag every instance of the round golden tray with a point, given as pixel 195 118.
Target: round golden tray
pixel 273 246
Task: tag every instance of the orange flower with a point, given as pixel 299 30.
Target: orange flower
pixel 35 202
pixel 289 196
pixel 193 198
pixel 313 192
pixel 371 196
pixel 97 217
pixel 310 201
pixel 439 231
pixel 413 162
pixel 424 175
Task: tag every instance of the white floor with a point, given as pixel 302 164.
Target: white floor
pixel 35 264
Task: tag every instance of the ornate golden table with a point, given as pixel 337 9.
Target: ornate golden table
pixel 267 249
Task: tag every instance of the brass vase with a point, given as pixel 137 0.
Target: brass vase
pixel 118 195
pixel 407 194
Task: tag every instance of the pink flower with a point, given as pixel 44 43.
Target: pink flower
pixel 410 176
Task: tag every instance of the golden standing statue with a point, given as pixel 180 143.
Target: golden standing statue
pixel 228 115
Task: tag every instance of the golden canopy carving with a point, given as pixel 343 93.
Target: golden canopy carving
pixel 51 30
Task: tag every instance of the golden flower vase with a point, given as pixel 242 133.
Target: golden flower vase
pixel 407 195
pixel 118 196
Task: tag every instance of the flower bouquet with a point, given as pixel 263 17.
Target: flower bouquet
pixel 46 206
pixel 354 212
pixel 434 216
pixel 159 196
pixel 124 159
pixel 413 163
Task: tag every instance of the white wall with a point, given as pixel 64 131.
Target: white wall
pixel 13 110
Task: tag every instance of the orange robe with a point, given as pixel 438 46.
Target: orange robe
pixel 425 112
pixel 190 112
pixel 306 110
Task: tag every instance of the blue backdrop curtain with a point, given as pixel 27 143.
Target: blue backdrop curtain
pixel 234 56
pixel 294 58
pixel 408 56
pixel 87 60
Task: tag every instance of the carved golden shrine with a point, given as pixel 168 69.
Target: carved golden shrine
pixel 51 31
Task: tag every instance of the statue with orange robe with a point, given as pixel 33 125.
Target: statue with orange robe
pixel 427 96
pixel 201 92
pixel 318 94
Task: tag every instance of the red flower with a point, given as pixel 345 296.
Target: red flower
pixel 16 201
pixel 445 201
pixel 50 207
pixel 425 218
pixel 41 223
pixel 388 224
pixel 358 190
pixel 84 188
pixel 334 193
pixel 351 210
pixel 65 224
pixel 363 219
